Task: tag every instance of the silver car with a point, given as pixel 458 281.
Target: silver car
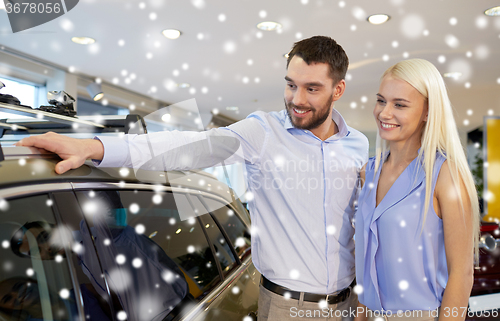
pixel 119 244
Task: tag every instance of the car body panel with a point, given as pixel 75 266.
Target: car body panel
pixel 26 172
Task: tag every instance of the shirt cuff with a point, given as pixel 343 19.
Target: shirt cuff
pixel 115 152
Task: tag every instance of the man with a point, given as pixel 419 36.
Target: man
pixel 302 165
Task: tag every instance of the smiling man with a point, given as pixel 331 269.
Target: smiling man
pixel 302 167
pixel 312 87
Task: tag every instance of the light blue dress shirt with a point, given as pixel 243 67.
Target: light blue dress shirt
pixel 399 266
pixel 303 190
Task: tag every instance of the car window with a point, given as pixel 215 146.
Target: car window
pixel 237 232
pixel 152 259
pixel 222 249
pixel 32 286
pixel 99 303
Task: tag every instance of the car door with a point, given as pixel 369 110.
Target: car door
pixel 163 255
pixel 41 276
pixel 239 299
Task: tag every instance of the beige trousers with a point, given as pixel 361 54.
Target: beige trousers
pixel 274 307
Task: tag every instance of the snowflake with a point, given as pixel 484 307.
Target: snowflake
pixel 294 274
pixel 64 293
pixel 403 285
pixel 137 262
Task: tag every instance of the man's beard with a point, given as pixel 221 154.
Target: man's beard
pixel 319 115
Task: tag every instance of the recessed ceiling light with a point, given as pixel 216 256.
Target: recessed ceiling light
pixel 232 108
pixel 454 75
pixel 495 11
pixel 83 40
pixel 183 85
pixel 171 33
pixel 377 19
pixel 269 26
pixel 166 117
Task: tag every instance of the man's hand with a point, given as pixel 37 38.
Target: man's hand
pixel 73 151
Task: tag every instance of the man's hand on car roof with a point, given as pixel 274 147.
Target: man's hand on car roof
pixel 73 151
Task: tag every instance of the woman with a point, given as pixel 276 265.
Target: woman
pixel 417 223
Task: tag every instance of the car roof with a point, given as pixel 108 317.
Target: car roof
pixel 29 165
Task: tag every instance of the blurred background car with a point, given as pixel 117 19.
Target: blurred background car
pixel 484 302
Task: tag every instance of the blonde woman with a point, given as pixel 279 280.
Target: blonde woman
pixel 417 223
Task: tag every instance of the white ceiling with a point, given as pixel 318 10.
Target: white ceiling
pixel 223 72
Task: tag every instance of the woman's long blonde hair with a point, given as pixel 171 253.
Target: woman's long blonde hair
pixel 439 135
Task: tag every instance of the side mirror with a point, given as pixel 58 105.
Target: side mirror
pixel 487 242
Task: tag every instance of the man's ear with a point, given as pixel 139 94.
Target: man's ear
pixel 338 90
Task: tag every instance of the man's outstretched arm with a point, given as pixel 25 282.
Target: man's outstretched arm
pixel 243 141
pixel 73 151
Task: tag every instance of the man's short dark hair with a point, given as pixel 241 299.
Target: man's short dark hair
pixel 321 49
pixel 17 238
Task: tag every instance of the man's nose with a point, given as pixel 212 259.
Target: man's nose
pixel 299 98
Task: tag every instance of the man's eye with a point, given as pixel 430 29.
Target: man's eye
pixel 6 298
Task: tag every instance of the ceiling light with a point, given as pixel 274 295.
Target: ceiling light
pixel 171 33
pixel 95 91
pixel 166 117
pixel 83 40
pixel 495 11
pixel 183 85
pixel 232 108
pixel 377 19
pixel 454 75
pixel 269 26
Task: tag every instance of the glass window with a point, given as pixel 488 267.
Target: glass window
pixel 222 250
pixel 237 232
pixel 32 285
pixel 152 259
pixel 27 94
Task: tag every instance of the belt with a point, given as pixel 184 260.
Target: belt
pixel 309 297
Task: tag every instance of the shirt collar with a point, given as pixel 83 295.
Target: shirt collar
pixel 336 117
